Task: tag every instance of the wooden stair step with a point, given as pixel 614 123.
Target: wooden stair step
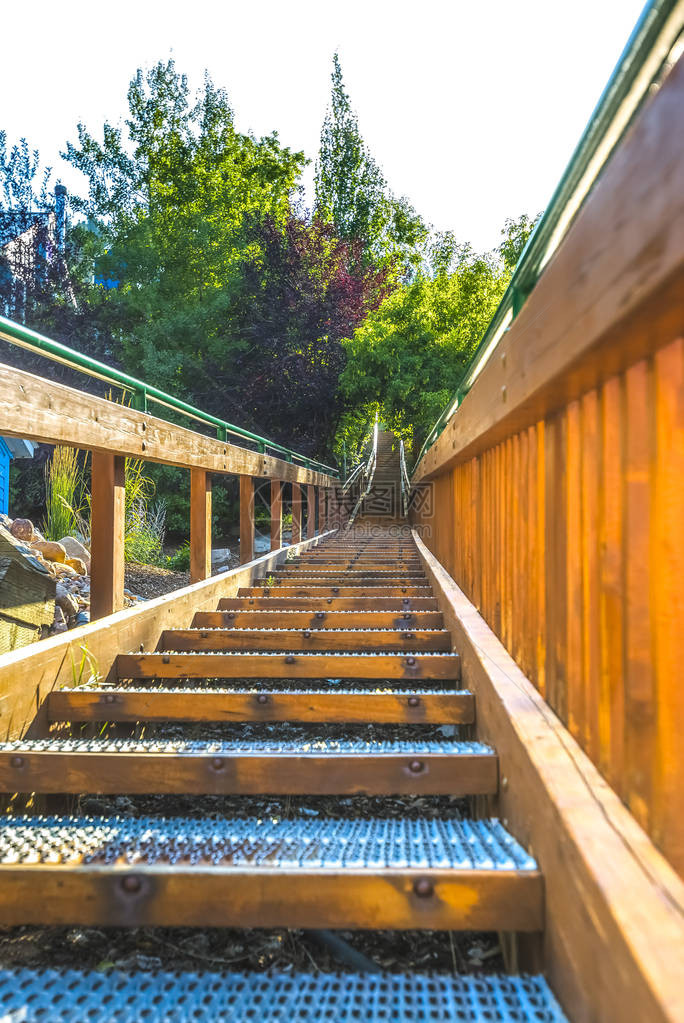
pixel 267 870
pixel 319 765
pixel 208 996
pixel 247 618
pixel 314 640
pixel 312 604
pixel 293 664
pixel 334 703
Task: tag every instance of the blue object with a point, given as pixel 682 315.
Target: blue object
pixel 5 457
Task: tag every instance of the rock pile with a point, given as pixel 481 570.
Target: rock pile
pixel 68 560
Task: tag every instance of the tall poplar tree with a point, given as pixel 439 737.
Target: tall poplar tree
pixel 353 196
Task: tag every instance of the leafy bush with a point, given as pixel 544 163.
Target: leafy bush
pixel 179 561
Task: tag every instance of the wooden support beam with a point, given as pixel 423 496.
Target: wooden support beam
pixel 408 706
pixel 108 514
pixel 247 619
pixel 209 896
pixel 276 515
pixel 408 667
pixel 296 513
pixel 315 641
pixel 296 773
pixel 246 519
pixel 200 525
pixel 310 512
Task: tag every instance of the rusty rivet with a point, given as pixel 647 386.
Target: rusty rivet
pixel 413 701
pixel 17 762
pixel 218 763
pixel 416 766
pixel 131 884
pixel 262 698
pixel 307 634
pixel 423 887
pixel 410 661
pixel 289 659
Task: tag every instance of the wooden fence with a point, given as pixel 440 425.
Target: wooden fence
pixel 555 495
pixel 42 410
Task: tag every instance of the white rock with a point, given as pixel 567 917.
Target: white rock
pixel 65 600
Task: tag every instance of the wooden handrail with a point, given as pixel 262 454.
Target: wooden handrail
pixel 557 488
pixel 42 410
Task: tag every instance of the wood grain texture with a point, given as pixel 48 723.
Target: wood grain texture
pixel 206 896
pixel 304 639
pixel 200 525
pixel 455 774
pixel 318 619
pixel 403 666
pixel 108 514
pixel 398 707
pixel 614 908
pixel 44 410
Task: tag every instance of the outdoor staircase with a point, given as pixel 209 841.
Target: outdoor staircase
pixel 333 677
pixel 384 499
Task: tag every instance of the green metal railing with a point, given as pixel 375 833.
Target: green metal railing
pixel 641 63
pixel 143 394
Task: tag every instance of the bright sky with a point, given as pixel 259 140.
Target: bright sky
pixel 472 107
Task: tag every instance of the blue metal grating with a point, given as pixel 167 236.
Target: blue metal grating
pixel 71 996
pixel 327 843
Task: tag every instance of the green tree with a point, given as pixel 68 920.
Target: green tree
pixel 515 234
pixel 176 203
pixel 352 193
pixel 408 357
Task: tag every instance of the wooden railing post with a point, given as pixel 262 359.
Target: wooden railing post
pixel 246 519
pixel 200 525
pixel 296 513
pixel 310 512
pixel 276 515
pixel 108 522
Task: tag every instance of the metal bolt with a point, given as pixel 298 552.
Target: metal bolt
pixel 320 616
pixel 336 589
pixel 262 698
pixel 407 635
pixel 165 659
pixel 410 661
pixel 131 884
pixel 307 634
pixel 329 600
pixel 109 698
pixel 423 887
pixel 218 763
pixel 403 589
pixel 289 659
pixel 413 701
pixel 230 616
pixel 405 600
pixel 204 635
pixel 17 762
pixel 416 766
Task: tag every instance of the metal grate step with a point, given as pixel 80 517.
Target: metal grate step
pixel 280 843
